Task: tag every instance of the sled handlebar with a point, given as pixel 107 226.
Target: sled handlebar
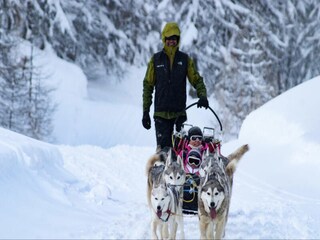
pixel 195 103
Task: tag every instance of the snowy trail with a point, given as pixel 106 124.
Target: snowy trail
pixel 113 176
pixel 116 182
pixel 259 210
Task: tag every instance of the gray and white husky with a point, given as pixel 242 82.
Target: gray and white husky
pixel 214 192
pixel 166 177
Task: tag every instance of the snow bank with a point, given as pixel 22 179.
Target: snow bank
pixel 284 135
pixel 35 189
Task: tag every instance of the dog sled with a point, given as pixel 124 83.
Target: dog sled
pixel 180 139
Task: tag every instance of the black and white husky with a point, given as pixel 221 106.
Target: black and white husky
pixel 166 177
pixel 214 192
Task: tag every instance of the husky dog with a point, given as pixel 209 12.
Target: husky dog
pixel 165 213
pixel 215 192
pixel 166 177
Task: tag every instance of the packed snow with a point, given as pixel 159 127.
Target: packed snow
pixel 91 183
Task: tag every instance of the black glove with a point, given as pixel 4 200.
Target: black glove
pixel 146 121
pixel 180 120
pixel 203 102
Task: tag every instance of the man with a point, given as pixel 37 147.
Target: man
pixel 166 73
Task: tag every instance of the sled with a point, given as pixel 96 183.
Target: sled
pixel 190 194
pixel 190 188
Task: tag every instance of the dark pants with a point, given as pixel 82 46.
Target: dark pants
pixel 164 130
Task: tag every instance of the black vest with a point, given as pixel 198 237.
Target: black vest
pixel 170 85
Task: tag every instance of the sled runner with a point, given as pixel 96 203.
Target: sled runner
pixel 192 158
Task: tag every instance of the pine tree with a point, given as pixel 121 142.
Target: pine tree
pixel 40 106
pixel 13 89
pixel 25 102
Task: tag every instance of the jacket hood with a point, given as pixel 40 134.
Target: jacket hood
pixel 170 29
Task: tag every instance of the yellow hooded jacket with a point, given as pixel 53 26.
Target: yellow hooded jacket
pixel 194 77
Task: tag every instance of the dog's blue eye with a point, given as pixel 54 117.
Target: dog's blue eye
pixel 216 193
pixel 156 198
pixel 179 177
pixel 208 193
pixel 162 199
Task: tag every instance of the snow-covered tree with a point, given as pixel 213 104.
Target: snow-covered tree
pixel 40 105
pixel 248 51
pixel 25 102
pixel 13 89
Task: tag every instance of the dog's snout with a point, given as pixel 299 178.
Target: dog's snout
pixel 158 208
pixel 212 205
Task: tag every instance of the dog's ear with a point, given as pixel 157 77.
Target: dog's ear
pixel 218 177
pixel 205 155
pixel 180 161
pixel 210 163
pixel 169 158
pixel 205 179
pixel 154 185
pixel 207 152
pixel 163 184
pixel 216 155
pixel 162 156
pixel 158 150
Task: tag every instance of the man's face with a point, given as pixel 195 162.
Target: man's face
pixel 171 41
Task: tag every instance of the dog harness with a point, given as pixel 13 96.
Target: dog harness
pixel 169 213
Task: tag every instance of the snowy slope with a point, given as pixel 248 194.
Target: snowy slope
pixel 289 126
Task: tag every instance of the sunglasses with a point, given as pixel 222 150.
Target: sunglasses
pixel 194 161
pixel 174 37
pixel 196 137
